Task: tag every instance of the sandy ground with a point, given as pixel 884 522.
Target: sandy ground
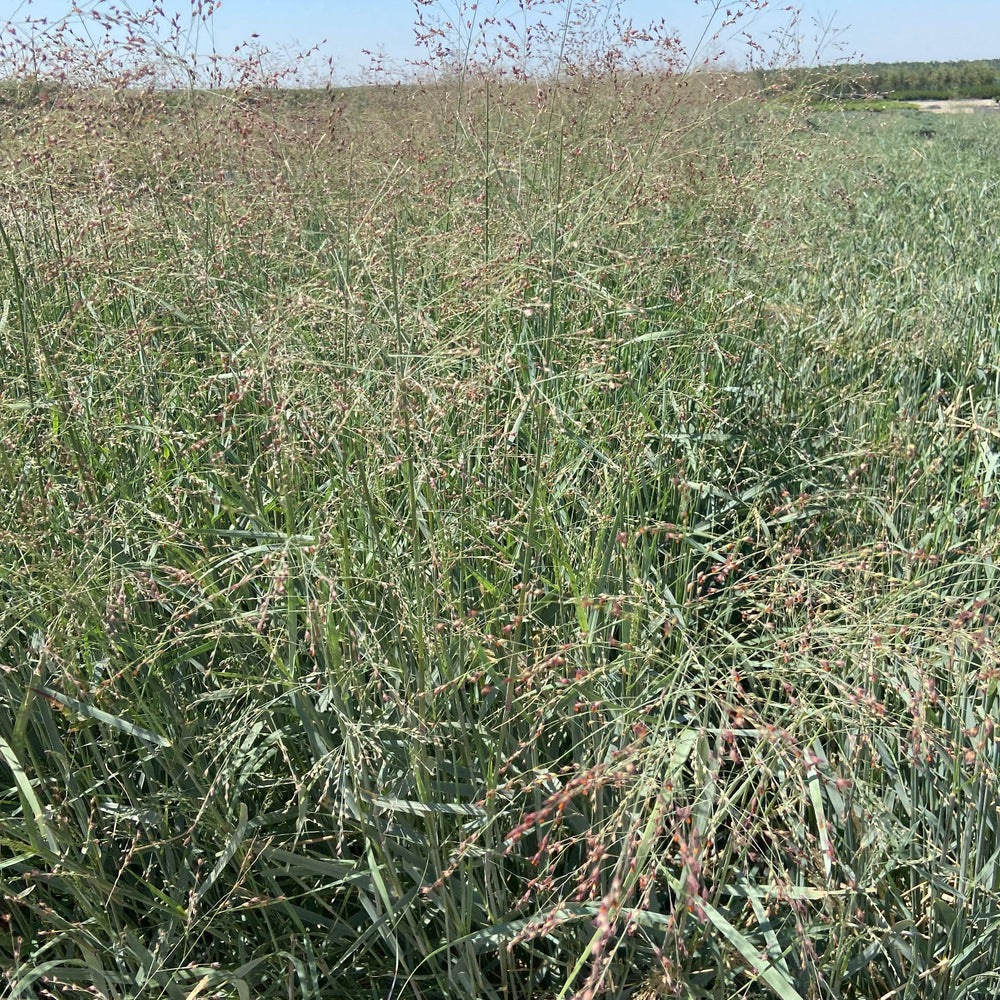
pixel 959 107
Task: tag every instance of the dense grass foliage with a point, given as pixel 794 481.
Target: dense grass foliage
pixel 479 542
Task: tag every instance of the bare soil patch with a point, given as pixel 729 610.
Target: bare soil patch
pixel 970 106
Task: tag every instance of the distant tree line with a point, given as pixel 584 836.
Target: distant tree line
pixel 902 81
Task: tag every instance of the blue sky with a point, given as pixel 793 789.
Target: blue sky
pixel 886 31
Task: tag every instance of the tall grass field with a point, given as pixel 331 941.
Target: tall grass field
pixel 501 537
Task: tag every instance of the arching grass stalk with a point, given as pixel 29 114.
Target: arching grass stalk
pixel 26 323
pixel 539 438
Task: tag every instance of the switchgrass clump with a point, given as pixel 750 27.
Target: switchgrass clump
pixel 505 534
